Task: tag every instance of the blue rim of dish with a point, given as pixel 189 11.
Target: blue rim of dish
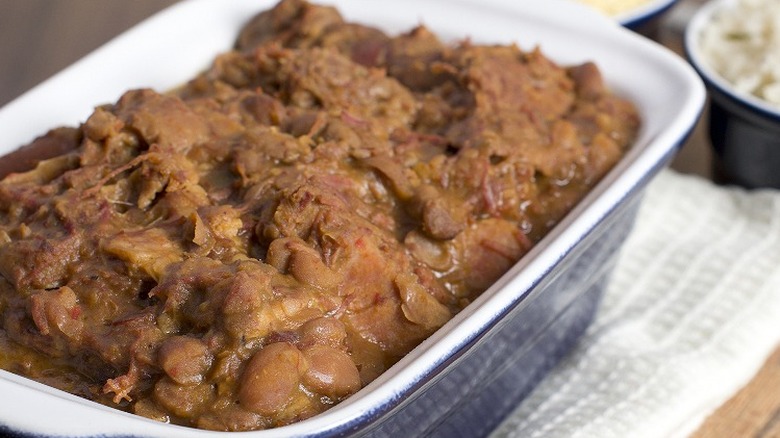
pixel 747 105
pixel 644 14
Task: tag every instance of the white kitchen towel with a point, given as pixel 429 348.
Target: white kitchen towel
pixel 690 315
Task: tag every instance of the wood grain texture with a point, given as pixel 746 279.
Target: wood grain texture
pixel 752 412
pixel 40 37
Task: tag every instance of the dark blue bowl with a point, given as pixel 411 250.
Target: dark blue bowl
pixel 743 129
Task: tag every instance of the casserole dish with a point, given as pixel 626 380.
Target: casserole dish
pixel 499 346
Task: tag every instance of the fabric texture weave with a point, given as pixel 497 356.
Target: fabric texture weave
pixel 690 315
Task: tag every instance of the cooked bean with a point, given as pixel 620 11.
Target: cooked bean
pixel 184 359
pixel 232 418
pixel 325 331
pixel 331 372
pixel 271 378
pixel 394 174
pixel 149 409
pixel 181 400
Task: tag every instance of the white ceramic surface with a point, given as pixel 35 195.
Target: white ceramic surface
pixel 172 46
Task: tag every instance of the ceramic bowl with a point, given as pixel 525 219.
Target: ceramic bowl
pixel 744 129
pixel 471 373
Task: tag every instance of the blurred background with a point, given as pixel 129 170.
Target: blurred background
pixel 41 37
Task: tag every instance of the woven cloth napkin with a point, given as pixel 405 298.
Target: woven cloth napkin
pixel 690 315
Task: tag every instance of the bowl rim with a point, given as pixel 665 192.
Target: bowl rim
pixel 721 89
pixel 644 13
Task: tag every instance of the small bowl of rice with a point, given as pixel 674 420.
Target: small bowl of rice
pixel 641 16
pixel 735 47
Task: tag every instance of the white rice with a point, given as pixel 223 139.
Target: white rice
pixel 614 7
pixel 742 44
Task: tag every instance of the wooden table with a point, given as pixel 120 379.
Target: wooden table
pixel 40 37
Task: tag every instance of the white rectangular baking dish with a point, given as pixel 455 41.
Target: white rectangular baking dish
pixel 469 373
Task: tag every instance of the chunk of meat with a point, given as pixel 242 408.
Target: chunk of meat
pixel 56 142
pixel 489 248
pixel 413 57
pixel 291 23
pixel 588 81
pixel 302 262
pixel 58 311
pixel 419 306
pixel 440 217
pixel 162 119
pixel 150 251
pixel 38 262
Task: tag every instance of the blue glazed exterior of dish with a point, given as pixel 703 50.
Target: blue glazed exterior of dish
pixel 745 140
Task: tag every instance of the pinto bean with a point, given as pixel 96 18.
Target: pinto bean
pixel 149 409
pixel 184 359
pixel 271 378
pixel 331 372
pixel 232 418
pixel 325 331
pixel 181 400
